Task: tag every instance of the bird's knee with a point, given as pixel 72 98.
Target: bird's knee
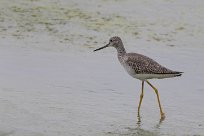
pixel 141 96
pixel 156 91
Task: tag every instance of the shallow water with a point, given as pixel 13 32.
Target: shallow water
pixel 53 84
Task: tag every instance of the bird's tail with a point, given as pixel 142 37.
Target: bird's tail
pixel 176 73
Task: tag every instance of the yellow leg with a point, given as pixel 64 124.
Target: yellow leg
pixel 141 97
pixel 156 91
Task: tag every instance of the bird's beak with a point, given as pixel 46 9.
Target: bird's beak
pixel 102 47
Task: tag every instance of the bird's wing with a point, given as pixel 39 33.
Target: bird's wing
pixel 145 65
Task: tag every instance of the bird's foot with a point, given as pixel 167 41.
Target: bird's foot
pixel 162 116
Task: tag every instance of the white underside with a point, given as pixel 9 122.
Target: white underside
pixel 150 76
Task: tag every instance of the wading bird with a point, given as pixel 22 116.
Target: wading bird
pixel 141 67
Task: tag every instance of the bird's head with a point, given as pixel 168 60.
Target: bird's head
pixel 113 42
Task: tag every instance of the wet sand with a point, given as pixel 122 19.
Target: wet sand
pixel 53 84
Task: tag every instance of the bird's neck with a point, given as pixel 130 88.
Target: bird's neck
pixel 121 50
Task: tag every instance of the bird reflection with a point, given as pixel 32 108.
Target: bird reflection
pixel 139 122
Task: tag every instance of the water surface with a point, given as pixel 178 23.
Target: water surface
pixel 53 84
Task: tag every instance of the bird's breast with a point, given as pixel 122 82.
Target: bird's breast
pixel 128 68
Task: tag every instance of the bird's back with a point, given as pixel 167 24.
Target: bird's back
pixel 143 67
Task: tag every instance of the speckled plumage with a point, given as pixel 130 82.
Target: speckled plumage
pixel 141 67
pixel 145 65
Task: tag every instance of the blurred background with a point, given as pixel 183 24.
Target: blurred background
pixel 53 84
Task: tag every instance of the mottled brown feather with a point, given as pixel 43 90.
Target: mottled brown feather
pixel 145 65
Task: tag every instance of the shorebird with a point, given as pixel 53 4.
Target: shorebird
pixel 141 67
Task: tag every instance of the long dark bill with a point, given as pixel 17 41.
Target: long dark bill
pixel 101 47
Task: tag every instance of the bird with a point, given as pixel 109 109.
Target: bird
pixel 141 67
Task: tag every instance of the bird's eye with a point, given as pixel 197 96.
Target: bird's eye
pixel 111 40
